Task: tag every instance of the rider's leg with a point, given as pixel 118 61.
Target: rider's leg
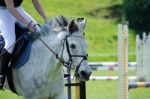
pixel 4 61
pixel 7 28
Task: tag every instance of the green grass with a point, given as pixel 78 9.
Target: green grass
pixel 8 95
pixel 98 89
pixel 109 90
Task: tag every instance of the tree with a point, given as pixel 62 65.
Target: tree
pixel 137 12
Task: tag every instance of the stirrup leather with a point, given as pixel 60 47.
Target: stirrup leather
pixel 2 79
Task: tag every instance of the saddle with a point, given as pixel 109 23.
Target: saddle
pixel 22 48
pixel 21 52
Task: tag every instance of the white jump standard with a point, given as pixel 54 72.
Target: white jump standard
pixel 123 60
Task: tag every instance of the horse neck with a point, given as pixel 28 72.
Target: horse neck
pixel 54 42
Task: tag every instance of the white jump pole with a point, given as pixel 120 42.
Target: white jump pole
pixel 144 55
pixel 138 56
pixel 148 62
pixel 123 60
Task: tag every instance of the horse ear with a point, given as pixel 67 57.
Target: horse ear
pixel 72 26
pixel 80 19
pixel 82 22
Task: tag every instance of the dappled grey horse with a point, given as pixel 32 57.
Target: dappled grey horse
pixel 42 76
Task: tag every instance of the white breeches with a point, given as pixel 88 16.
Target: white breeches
pixel 7 26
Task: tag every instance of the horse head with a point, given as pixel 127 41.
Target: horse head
pixel 75 47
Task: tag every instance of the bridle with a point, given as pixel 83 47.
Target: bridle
pixel 84 57
pixel 69 63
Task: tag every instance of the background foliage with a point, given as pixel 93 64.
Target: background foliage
pixel 137 13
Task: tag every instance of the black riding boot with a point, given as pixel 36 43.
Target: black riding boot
pixel 4 61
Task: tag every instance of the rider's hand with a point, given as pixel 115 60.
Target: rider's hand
pixel 38 28
pixel 35 30
pixel 34 27
pixel 31 27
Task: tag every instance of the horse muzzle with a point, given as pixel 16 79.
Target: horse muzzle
pixel 83 75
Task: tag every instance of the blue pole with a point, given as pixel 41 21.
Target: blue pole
pixel 69 82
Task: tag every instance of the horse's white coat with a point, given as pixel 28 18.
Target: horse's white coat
pixel 42 76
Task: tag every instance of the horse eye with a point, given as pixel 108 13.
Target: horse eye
pixel 72 46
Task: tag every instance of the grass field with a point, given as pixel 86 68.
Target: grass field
pixel 103 17
pixel 98 89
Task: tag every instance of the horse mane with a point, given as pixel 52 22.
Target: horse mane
pixel 57 23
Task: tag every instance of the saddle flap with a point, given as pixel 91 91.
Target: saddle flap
pixel 21 53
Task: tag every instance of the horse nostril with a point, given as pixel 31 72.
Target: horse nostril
pixel 85 75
